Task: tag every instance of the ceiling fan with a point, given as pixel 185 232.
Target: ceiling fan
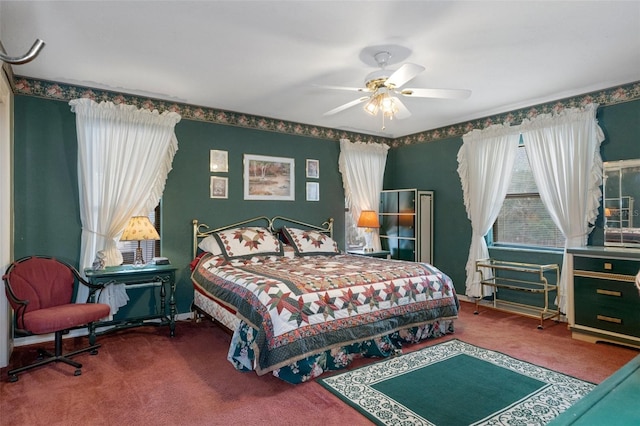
pixel 384 88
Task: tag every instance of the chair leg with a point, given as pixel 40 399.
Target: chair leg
pixel 55 357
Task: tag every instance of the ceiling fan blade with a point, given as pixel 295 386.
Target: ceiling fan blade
pixel 351 89
pixel 436 93
pixel 403 74
pixel 346 106
pixel 403 112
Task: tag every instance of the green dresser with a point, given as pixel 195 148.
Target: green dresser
pixel 604 303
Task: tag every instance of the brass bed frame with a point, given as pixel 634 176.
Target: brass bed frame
pixel 201 230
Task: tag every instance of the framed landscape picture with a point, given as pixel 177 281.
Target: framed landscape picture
pixel 269 178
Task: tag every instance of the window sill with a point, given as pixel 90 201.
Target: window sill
pixel 528 249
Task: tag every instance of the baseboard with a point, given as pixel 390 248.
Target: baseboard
pixel 43 338
pixel 466 298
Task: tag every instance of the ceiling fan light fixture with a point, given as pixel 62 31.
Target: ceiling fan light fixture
pixel 388 106
pixel 385 88
pixel 381 101
pixel 373 105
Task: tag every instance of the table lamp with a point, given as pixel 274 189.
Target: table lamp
pixel 368 219
pixel 138 229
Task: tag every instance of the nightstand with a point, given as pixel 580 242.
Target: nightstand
pixel 383 254
pixel 148 277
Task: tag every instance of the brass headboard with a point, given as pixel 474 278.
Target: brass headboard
pixel 274 224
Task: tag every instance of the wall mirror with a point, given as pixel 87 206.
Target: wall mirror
pixel 621 189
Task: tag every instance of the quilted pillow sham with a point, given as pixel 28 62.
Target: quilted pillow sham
pixel 307 242
pixel 247 242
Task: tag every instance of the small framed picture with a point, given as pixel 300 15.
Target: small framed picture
pixel 313 169
pixel 219 187
pixel 313 191
pixel 218 161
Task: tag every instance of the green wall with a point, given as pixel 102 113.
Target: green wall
pixel 433 166
pixel 47 218
pixel 186 196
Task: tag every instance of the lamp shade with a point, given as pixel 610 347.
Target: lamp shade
pixel 139 228
pixel 368 219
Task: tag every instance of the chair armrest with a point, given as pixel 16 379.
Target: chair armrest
pixel 10 294
pixel 93 288
pixel 14 300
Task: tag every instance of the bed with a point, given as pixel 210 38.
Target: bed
pixel 297 306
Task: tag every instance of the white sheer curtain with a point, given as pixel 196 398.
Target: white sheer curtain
pixel 564 153
pixel 362 166
pixel 485 165
pixel 124 157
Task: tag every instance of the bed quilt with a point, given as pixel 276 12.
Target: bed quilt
pixel 308 304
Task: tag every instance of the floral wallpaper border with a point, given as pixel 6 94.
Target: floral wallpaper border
pixel 614 95
pixel 65 92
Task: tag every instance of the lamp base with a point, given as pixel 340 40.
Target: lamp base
pixel 368 243
pixel 138 260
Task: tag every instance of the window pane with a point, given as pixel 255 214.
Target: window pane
pixel 522 181
pixel 523 218
pixel 353 238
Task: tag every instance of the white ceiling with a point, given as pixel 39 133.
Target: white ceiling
pixel 266 58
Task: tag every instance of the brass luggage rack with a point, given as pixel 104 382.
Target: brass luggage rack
pixel 538 284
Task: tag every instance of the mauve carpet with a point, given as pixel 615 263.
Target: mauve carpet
pixel 143 377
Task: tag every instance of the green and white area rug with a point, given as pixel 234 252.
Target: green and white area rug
pixel 455 383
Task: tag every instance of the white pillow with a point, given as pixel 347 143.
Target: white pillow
pixel 211 245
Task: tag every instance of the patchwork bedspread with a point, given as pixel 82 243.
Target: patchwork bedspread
pixel 308 304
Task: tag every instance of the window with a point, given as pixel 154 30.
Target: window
pixel 353 238
pixel 150 248
pixel 523 219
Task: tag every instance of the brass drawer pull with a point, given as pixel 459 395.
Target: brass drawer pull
pixel 609 292
pixel 609 319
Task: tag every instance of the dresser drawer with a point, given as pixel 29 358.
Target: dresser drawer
pixel 606 266
pixel 607 305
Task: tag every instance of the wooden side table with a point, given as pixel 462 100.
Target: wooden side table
pixel 147 277
pixel 384 254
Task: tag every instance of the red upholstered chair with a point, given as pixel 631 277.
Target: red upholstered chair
pixel 40 290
